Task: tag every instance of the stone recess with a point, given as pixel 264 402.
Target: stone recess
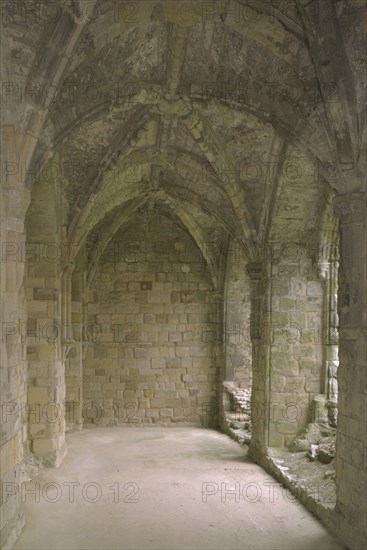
pixel 156 325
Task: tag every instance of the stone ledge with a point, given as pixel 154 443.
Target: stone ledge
pixel 277 461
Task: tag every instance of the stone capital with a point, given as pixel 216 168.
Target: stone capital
pixel 350 208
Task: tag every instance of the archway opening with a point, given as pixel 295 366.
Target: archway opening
pixel 150 326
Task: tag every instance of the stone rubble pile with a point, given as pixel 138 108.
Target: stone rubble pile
pixel 238 419
pixel 318 440
pixel 29 467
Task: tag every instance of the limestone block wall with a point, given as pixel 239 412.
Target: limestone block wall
pixel 13 409
pixel 351 442
pixel 13 374
pixel 45 372
pixel 237 339
pixel 73 369
pixel 295 339
pixel 152 350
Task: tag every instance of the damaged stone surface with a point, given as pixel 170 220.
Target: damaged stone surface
pixel 318 440
pixel 238 413
pixel 312 482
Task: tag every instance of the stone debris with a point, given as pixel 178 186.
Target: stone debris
pixel 238 420
pixel 300 445
pixel 312 453
pixel 326 450
pixel 29 467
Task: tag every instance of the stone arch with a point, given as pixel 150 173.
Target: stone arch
pixel 180 341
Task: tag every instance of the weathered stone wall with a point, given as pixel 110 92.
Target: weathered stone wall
pixel 154 325
pixel 237 340
pixel 351 435
pixel 75 353
pixel 14 201
pixel 73 370
pixel 295 338
pixel 13 396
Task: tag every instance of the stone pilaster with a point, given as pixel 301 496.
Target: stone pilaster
pixel 72 349
pixel 46 386
pixel 14 202
pixel 260 362
pixel 46 365
pixel 351 472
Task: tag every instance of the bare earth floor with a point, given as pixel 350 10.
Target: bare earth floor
pixel 163 488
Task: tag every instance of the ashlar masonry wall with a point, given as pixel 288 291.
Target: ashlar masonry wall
pixel 295 339
pixel 152 352
pixel 237 338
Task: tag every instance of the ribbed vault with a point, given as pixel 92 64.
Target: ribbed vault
pixel 193 102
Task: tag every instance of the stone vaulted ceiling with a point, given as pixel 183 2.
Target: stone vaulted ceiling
pixel 229 115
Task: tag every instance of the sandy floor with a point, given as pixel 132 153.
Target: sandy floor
pixel 163 488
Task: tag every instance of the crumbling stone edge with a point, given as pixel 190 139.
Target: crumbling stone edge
pixel 323 512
